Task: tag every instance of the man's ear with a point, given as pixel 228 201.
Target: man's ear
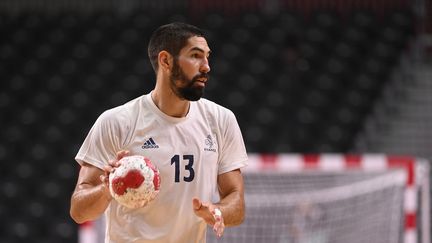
pixel 165 60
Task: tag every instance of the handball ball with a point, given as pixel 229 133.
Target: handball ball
pixel 135 182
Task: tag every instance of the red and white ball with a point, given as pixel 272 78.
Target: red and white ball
pixel 135 182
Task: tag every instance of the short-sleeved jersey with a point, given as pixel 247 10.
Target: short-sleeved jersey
pixel 190 153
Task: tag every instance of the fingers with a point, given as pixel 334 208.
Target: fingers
pixel 201 206
pixel 115 163
pixel 219 225
pixel 105 182
pixel 196 203
pixel 103 178
pixel 122 153
pixel 211 215
pixel 202 210
pixel 112 164
pixel 110 168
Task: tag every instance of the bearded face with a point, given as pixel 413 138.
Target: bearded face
pixel 183 87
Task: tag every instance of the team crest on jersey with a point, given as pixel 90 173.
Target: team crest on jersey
pixel 209 142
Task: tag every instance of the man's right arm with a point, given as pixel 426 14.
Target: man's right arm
pixel 91 196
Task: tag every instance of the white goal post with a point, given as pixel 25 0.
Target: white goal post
pixel 323 198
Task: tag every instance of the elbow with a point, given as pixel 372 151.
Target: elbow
pixel 77 219
pixel 238 220
pixel 75 212
pixel 241 217
pixel 242 211
pixel 76 216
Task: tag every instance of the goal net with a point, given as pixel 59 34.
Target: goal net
pixel 321 207
pixel 327 198
pixel 331 199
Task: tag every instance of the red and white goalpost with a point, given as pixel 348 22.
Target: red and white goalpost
pixel 365 198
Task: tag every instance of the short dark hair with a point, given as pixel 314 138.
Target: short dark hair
pixel 171 38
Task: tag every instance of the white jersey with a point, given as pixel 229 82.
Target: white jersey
pixel 190 153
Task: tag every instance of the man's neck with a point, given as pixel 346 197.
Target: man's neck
pixel 169 103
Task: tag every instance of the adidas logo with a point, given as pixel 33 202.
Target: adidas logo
pixel 149 144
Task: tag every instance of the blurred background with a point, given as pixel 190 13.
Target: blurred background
pixel 312 76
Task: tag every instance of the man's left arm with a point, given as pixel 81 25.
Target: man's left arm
pixel 231 191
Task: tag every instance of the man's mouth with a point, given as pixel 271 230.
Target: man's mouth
pixel 202 80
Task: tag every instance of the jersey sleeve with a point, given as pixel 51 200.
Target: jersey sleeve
pixel 232 152
pixel 103 141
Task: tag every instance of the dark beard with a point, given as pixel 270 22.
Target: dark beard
pixel 188 92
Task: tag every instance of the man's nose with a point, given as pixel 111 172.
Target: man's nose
pixel 205 66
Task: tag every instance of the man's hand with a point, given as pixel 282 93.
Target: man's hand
pixel 91 196
pixel 211 215
pixel 113 164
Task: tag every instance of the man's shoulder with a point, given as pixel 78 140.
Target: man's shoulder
pixel 124 111
pixel 214 109
pixel 208 104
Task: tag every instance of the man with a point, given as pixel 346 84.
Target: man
pixel 196 144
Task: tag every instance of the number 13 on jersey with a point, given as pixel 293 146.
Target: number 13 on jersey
pixel 188 168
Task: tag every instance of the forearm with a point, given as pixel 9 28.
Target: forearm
pixel 233 208
pixel 88 203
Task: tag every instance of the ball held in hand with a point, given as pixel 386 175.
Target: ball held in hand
pixel 135 182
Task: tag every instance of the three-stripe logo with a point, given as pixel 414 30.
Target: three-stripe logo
pixel 149 144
